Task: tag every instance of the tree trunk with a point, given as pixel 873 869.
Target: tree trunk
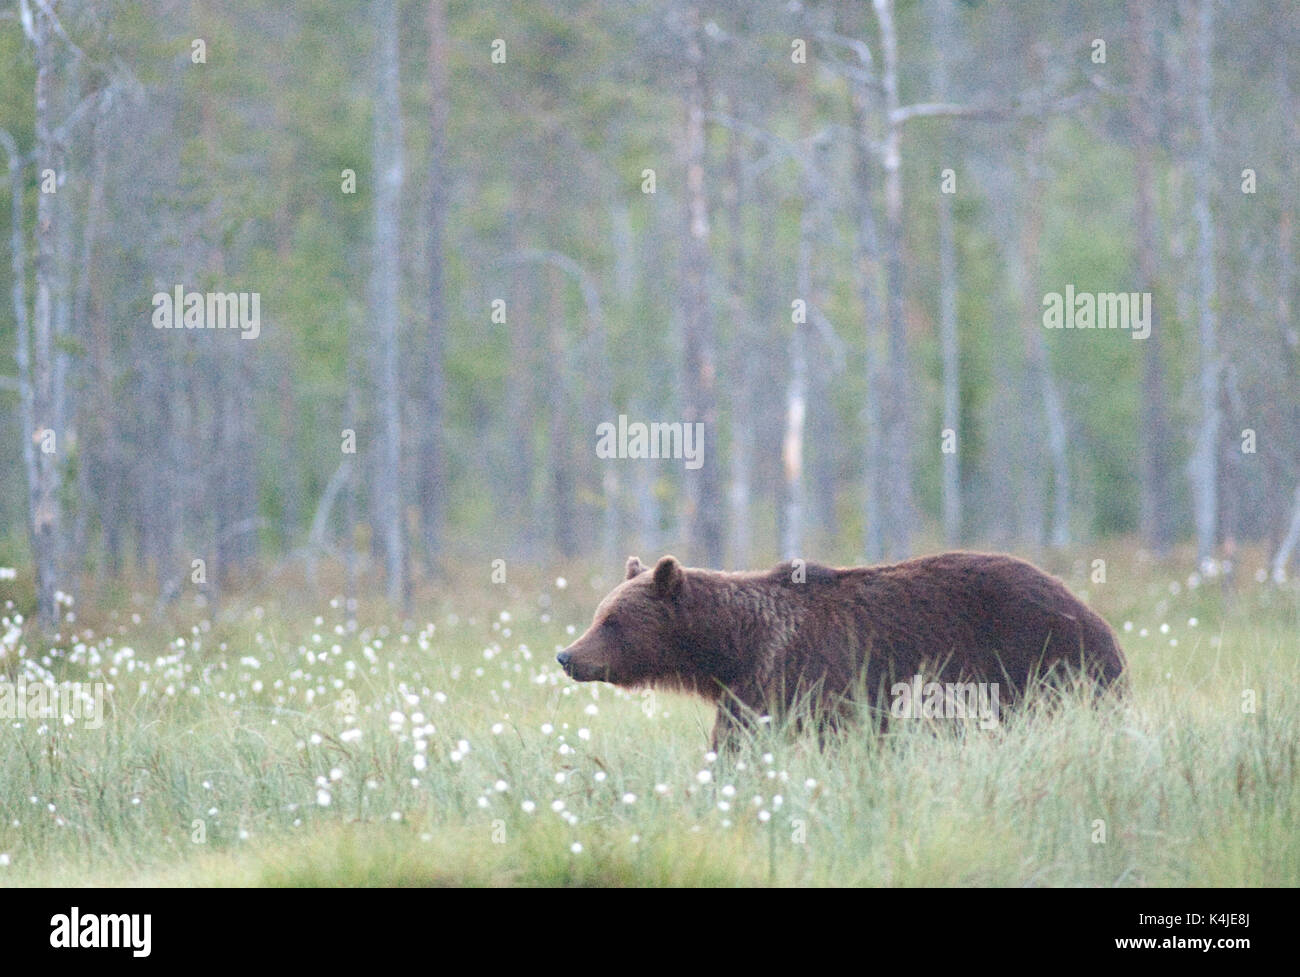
pixel 1030 313
pixel 1154 450
pixel 431 477
pixel 1205 457
pixel 948 340
pixel 740 388
pixel 796 402
pixel 701 405
pixel 867 278
pixel 384 301
pixel 45 501
pixel 563 506
pixel 352 483
pixel 523 327
pixel 898 422
pixel 92 472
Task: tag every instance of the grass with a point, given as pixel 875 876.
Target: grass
pixel 273 747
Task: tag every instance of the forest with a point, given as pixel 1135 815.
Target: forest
pixel 832 235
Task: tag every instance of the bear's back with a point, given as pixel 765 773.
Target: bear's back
pixel 959 615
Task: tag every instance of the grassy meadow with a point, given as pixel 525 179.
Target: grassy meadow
pixel 268 745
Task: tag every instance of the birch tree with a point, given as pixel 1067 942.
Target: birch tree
pixel 385 282
pixel 431 471
pixel 1205 455
pixel 949 345
pixel 700 352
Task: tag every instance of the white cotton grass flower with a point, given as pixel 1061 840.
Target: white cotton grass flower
pixel 576 848
pixel 528 807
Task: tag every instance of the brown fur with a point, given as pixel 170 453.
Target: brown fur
pixel 761 643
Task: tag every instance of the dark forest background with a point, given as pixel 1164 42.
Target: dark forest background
pixel 824 230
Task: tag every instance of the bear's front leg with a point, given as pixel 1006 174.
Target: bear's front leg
pixel 724 726
pixel 735 723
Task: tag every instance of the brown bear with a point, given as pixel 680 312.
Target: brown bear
pixel 805 640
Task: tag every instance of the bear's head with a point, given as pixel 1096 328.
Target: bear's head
pixel 641 632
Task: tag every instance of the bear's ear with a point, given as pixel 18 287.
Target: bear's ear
pixel 668 577
pixel 633 567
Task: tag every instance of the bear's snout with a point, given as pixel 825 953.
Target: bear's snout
pixel 580 668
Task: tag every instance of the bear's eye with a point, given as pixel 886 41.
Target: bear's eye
pixel 610 625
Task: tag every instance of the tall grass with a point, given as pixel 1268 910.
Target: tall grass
pixel 273 748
